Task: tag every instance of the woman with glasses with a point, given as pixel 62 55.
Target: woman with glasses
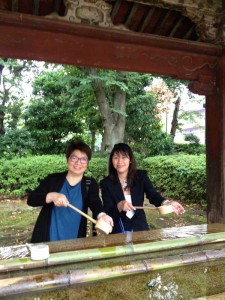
pixel 56 221
pixel 126 187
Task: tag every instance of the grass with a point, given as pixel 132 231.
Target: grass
pixel 192 216
pixel 17 220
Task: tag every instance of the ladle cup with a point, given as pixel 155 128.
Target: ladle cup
pixel 100 225
pixel 163 210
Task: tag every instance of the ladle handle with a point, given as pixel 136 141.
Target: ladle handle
pixel 145 207
pixel 82 213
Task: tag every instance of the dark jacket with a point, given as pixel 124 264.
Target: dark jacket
pixel 54 183
pixel 112 193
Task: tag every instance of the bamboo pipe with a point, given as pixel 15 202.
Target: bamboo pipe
pixel 100 225
pixel 110 252
pixel 16 251
pixel 164 209
pixel 51 281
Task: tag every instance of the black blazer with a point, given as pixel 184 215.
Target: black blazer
pixel 54 183
pixel 112 193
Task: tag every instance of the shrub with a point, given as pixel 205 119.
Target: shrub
pixel 192 149
pixel 20 175
pixel 181 177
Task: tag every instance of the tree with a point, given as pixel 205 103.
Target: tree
pixel 16 142
pixel 120 96
pixel 51 115
pixel 110 88
pixel 110 103
pixel 168 91
pixel 11 92
pixel 144 128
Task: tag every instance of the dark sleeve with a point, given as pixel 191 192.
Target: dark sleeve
pixel 109 203
pixel 151 193
pixel 37 197
pixel 94 201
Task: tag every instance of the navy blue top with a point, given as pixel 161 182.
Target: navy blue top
pixel 65 222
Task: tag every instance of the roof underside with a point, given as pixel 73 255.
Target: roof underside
pixel 176 20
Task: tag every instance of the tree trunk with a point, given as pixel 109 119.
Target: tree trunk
pixel 175 117
pixel 93 135
pixel 2 116
pixel 113 118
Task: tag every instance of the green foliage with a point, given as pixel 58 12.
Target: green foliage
pixel 193 148
pixel 97 168
pixel 11 92
pixel 181 177
pixel 16 142
pixel 193 139
pixel 50 117
pixel 19 175
pixel 158 144
pixel 143 127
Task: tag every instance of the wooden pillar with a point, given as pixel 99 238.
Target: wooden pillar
pixel 215 148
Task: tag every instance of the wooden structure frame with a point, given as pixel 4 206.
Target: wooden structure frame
pixel 34 37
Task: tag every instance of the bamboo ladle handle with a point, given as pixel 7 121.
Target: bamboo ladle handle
pixel 100 225
pixel 146 207
pixel 163 210
pixel 82 213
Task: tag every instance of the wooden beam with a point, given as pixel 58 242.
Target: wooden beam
pixel 38 38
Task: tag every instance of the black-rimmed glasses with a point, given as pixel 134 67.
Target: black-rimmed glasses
pixel 83 160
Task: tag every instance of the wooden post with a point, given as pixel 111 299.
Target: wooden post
pixel 215 148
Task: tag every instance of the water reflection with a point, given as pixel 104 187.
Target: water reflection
pixel 159 290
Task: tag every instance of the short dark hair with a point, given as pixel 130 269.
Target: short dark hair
pixel 78 145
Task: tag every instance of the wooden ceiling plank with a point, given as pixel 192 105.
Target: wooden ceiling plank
pixel 174 29
pixel 56 6
pixel 36 4
pixel 153 21
pixel 121 9
pixel 115 9
pixel 160 26
pixel 131 15
pixel 189 33
pixel 136 17
pixel 147 19
pixel 15 5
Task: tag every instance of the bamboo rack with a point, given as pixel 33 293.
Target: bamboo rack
pixel 51 281
pixel 110 252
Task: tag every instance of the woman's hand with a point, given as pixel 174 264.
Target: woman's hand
pixel 125 206
pixel 177 207
pixel 107 219
pixel 57 198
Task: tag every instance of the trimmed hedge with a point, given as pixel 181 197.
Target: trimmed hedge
pixel 180 177
pixel 19 175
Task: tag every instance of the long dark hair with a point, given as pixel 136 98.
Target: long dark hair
pixel 124 149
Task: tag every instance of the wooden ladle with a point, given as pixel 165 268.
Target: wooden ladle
pixel 100 225
pixel 163 210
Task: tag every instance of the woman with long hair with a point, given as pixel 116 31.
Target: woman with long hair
pixel 126 187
